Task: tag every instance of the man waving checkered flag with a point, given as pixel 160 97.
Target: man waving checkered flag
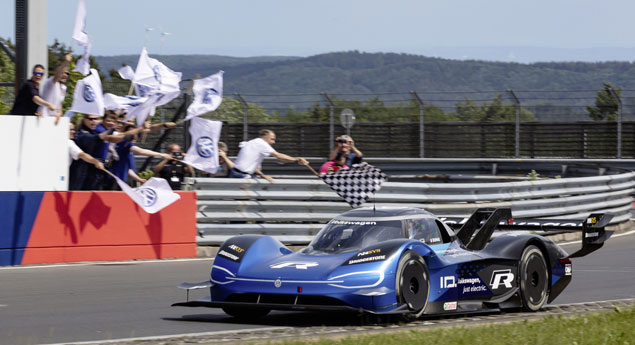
pixel 356 184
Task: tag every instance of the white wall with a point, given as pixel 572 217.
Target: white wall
pixel 34 153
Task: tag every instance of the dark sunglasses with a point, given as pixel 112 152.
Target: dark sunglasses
pixel 92 118
pixel 38 73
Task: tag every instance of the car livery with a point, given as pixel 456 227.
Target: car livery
pixel 399 261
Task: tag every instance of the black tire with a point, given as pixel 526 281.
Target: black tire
pixel 534 278
pixel 245 313
pixel 412 284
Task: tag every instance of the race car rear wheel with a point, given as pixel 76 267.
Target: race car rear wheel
pixel 412 284
pixel 534 278
pixel 245 313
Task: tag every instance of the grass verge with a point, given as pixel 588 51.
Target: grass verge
pixel 616 327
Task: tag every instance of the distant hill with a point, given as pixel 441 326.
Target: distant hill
pixel 355 72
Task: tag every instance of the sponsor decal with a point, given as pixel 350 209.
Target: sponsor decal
pixel 346 222
pixel 447 282
pixel 591 234
pixel 228 255
pixel 89 94
pixel 450 305
pixel 434 240
pixel 150 197
pixel 208 95
pixel 592 220
pixel 505 277
pixel 205 147
pixel 299 265
pixel 367 259
pixel 369 252
pixel 568 269
pixel 157 73
pixel 277 283
pixel 236 248
pixel 472 285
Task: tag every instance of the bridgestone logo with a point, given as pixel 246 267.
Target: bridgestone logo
pixel 228 255
pixel 369 259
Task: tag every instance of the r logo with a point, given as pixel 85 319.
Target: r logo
pixel 499 277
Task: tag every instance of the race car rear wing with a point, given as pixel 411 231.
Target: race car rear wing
pixel 477 230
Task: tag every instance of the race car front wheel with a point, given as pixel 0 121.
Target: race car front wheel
pixel 534 279
pixel 412 284
pixel 245 313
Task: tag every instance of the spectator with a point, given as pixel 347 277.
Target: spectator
pixel 54 89
pixel 76 153
pixel 346 145
pixel 126 163
pixel 172 169
pixel 224 163
pixel 28 98
pixel 82 175
pixel 332 166
pixel 254 152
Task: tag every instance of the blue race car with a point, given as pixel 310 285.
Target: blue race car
pixel 399 261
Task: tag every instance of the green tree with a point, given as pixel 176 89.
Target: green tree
pixel 495 111
pixel 7 75
pixel 231 110
pixel 606 106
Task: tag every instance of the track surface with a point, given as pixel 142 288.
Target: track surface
pixel 92 302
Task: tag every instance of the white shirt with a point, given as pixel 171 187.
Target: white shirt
pixel 54 93
pixel 73 151
pixel 252 154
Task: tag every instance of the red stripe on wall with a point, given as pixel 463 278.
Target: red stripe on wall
pixel 98 226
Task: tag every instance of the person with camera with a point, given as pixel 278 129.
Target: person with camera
pixel 172 169
pixel 345 145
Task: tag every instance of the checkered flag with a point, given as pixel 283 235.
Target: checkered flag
pixel 356 184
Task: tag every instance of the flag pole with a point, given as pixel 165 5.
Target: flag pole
pixel 109 173
pixel 312 170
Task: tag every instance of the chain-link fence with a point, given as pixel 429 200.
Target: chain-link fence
pixel 498 123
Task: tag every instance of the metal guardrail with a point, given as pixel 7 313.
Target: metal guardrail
pixel 293 210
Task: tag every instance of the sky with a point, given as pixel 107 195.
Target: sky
pixel 499 30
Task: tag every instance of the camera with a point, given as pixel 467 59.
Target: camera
pixel 177 155
pixel 341 141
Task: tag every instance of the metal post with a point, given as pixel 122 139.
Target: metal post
pixel 416 97
pixel 331 121
pixel 30 38
pixel 245 119
pixel 619 122
pixel 517 129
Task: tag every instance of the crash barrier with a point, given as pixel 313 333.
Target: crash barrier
pixel 53 227
pixel 457 169
pixel 294 210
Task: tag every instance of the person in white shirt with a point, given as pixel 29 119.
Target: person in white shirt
pixel 76 153
pixel 254 152
pixel 54 89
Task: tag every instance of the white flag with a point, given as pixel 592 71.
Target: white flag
pixel 203 152
pixel 152 73
pixel 152 196
pixel 83 64
pixel 126 72
pixel 79 31
pixel 114 102
pixel 88 97
pixel 208 95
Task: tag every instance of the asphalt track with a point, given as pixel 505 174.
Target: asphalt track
pixel 101 301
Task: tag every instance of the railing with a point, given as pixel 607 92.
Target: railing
pixel 293 210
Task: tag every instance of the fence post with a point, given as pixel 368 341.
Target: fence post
pixel 517 127
pixel 331 120
pixel 619 122
pixel 416 97
pixel 245 113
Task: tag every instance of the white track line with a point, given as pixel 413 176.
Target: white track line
pixel 172 336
